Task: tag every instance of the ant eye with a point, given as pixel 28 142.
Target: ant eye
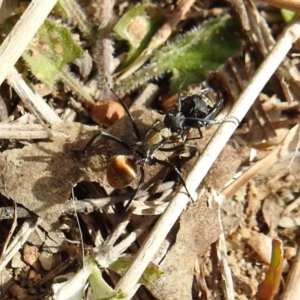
pixel 121 171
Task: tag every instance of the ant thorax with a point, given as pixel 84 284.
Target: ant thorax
pixel 195 106
pixel 174 120
pixel 155 138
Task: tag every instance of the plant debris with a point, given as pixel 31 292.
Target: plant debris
pixel 229 233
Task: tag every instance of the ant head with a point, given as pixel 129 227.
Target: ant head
pixel 194 105
pixel 174 120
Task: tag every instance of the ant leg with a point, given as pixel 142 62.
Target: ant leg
pixel 170 165
pixel 200 133
pixel 172 149
pixel 141 181
pixel 179 91
pixel 107 136
pixel 214 111
pixel 209 119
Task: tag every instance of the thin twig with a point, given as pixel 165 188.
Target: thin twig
pixel 21 237
pixel 287 4
pixel 119 229
pixel 12 229
pixel 288 145
pixel 33 101
pixel 292 288
pixel 90 205
pixel 132 237
pixel 8 212
pixel 64 265
pixel 23 131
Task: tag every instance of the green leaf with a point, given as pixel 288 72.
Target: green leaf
pixel 52 48
pixel 270 285
pixel 137 27
pixel 101 290
pixel 202 49
pixel 150 275
pixel 71 11
pixel 288 15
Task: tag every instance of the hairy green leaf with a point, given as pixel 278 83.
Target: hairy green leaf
pixel 202 49
pixel 52 48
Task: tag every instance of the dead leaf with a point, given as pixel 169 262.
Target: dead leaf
pixel 199 228
pixel 262 245
pixel 31 256
pixel 272 212
pixel 41 175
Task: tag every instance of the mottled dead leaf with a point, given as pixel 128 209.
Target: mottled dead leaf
pixel 272 212
pixel 199 228
pixel 41 175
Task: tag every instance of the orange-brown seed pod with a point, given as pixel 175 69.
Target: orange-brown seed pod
pixel 105 112
pixel 121 171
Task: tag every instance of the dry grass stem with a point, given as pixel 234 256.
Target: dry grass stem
pixel 132 237
pixel 288 145
pixel 21 237
pixel 287 4
pixel 146 97
pixel 89 205
pixel 30 98
pixel 11 231
pixel 226 275
pixel 292 288
pixel 23 131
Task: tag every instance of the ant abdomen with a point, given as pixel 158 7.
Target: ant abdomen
pixel 121 171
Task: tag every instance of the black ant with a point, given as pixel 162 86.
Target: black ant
pixel 122 170
pixel 191 112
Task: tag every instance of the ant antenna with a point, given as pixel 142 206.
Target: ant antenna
pixel 132 120
pixel 79 227
pixel 179 90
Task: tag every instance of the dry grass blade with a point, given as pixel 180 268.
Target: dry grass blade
pixel 23 131
pixel 288 145
pixel 219 140
pixel 21 237
pixel 287 4
pixel 30 98
pixel 292 288
pixel 13 227
pixel 227 280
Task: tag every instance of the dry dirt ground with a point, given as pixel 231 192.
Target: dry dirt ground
pixel 56 205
